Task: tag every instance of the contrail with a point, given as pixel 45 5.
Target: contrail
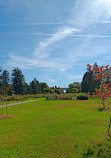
pixel 53 23
pixel 46 34
pixel 26 24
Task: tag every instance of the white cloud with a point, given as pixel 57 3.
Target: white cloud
pixel 41 57
pixel 89 12
pixel 104 6
pixel 52 80
pixel 75 77
pixel 28 63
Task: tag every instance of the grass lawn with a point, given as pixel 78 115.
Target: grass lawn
pixel 55 129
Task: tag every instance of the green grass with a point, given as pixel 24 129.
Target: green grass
pixel 55 129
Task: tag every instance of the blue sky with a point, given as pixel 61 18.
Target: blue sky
pixel 54 40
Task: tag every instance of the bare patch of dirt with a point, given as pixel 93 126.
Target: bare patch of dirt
pixel 6 117
pixel 86 124
pixel 98 121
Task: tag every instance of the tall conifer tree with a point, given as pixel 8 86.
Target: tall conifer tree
pixel 18 80
pixel 89 84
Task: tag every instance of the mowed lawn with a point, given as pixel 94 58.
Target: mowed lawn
pixel 55 129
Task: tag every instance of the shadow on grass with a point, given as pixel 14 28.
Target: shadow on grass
pixel 88 153
pixel 101 109
pixel 100 150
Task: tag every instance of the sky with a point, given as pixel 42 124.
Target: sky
pixel 53 41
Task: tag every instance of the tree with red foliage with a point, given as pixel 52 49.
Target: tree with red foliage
pixel 103 74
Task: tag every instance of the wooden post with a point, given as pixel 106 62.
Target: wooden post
pixel 2 109
pixel 6 109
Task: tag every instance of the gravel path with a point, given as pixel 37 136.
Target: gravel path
pixel 18 103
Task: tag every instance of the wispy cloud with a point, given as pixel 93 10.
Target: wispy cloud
pixel 59 35
pixel 40 62
pixel 52 80
pixel 40 57
pixel 72 77
pixel 104 6
pixel 84 16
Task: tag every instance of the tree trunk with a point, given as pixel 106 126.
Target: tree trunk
pixel 2 109
pixel 6 109
pixel 109 125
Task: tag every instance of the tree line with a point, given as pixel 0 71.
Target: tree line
pixel 16 84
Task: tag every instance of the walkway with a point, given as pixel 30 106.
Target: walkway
pixel 18 103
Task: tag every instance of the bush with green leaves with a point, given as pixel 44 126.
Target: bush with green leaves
pixel 65 96
pixel 52 97
pixel 22 97
pixel 82 96
pixel 17 98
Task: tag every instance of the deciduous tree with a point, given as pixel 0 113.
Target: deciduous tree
pixel 103 74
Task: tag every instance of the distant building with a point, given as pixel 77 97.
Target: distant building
pixel 64 89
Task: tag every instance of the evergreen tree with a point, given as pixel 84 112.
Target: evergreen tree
pixel 18 80
pixel 11 90
pixel 27 89
pixel 89 83
pixel 35 86
pixel 5 76
pixel 0 74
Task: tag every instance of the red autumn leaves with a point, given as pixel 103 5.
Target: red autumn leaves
pixel 103 74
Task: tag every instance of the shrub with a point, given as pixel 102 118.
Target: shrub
pixel 37 95
pixel 52 97
pixel 66 96
pixel 17 98
pixel 22 97
pixel 82 97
